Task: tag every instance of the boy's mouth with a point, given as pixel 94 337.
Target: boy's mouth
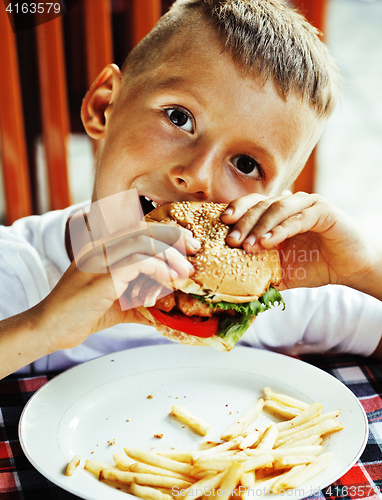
pixel 147 204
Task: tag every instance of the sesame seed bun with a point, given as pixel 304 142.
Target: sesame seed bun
pixel 221 272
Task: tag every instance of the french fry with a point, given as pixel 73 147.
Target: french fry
pixel 117 486
pixel 247 419
pixel 268 439
pixel 208 444
pixel 277 486
pixel 203 486
pixel 318 465
pixel 247 479
pixel 228 445
pixel 148 492
pixel 289 461
pixel 311 440
pixel 325 427
pixel 143 479
pixel 231 479
pixel 312 411
pixel 196 423
pixel 297 450
pixel 95 467
pixel 122 461
pixel 309 423
pixel 150 458
pixel 72 465
pixel 167 491
pixel 152 469
pixel 178 456
pixel 259 489
pixel 200 474
pixel 283 410
pixel 250 439
pixel 281 452
pixel 284 399
pixel 217 464
pixel 264 460
pixel 222 454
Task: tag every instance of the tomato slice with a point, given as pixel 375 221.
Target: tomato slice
pixel 193 325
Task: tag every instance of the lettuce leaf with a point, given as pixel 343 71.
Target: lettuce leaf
pixel 231 328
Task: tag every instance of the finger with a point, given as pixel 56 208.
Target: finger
pixel 146 292
pixel 134 265
pixel 115 253
pixel 237 208
pixel 301 222
pixel 177 236
pixel 260 220
pixel 244 226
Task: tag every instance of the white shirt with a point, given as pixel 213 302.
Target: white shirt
pixel 33 258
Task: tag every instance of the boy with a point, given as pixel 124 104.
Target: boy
pixel 223 102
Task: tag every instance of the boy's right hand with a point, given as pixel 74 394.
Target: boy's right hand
pixel 319 244
pixel 85 301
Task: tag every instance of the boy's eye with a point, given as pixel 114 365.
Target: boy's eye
pixel 180 118
pixel 247 165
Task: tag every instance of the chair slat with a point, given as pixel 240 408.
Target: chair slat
pixel 99 46
pixel 54 104
pixel 145 15
pixel 12 133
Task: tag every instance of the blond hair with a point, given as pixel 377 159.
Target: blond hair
pixel 265 37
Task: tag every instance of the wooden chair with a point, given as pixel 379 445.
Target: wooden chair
pixel 54 100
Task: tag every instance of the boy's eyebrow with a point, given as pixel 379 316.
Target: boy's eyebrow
pixel 172 82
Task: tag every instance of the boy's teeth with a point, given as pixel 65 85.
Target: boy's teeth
pixel 154 203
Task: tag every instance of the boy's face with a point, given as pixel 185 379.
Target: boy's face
pixel 195 128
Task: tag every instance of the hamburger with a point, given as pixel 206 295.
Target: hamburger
pixel 228 289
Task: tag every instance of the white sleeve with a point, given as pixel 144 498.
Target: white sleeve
pixel 315 320
pixel 13 299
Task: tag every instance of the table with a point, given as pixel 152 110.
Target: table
pixel 19 480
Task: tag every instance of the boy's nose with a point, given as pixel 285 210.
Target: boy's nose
pixel 196 178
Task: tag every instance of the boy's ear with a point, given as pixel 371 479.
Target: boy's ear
pixel 96 105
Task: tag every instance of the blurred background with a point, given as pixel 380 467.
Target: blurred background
pixel 348 168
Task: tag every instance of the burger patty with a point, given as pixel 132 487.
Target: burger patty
pixel 190 306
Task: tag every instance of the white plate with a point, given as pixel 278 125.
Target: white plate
pixel 106 399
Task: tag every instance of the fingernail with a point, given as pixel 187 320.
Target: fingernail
pixel 174 275
pixel 235 235
pixel 229 211
pixel 190 266
pixel 195 244
pixel 267 236
pixel 251 240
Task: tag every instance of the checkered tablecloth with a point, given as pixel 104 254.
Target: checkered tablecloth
pixel 19 479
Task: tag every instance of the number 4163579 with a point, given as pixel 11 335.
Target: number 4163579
pixel 352 491
pixel 34 8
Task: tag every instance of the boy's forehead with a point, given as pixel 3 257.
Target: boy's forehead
pixel 192 45
pixel 191 59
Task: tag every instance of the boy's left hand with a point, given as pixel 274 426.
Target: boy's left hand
pixel 319 244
